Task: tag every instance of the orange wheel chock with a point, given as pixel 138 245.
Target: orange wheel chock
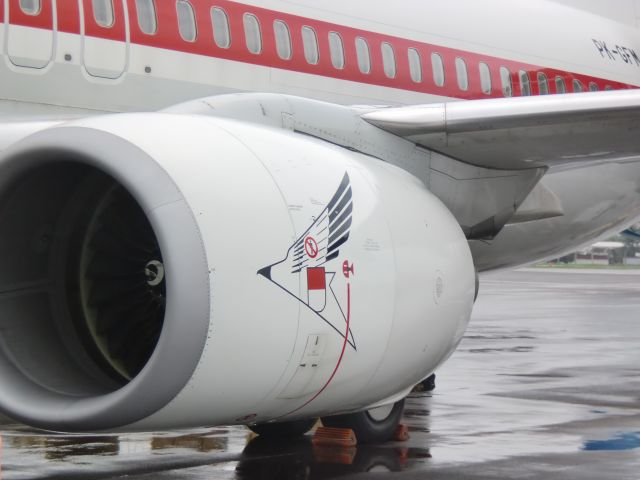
pixel 334 437
pixel 402 433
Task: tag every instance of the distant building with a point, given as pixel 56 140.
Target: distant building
pixel 623 249
pixel 601 253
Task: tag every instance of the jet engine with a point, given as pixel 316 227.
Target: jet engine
pixel 169 271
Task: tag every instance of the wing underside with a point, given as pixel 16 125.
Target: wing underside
pixel 525 132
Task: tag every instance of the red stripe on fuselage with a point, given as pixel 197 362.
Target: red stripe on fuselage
pixel 117 31
pixel 42 19
pixel 168 37
pixel 68 16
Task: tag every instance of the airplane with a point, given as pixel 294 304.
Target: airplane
pixel 264 213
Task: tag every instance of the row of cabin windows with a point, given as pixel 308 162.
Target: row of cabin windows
pixel 507 82
pixel 104 16
pixel 102 10
pixel 560 84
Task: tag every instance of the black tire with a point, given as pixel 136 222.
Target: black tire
pixel 475 295
pixel 428 384
pixel 295 428
pixel 367 428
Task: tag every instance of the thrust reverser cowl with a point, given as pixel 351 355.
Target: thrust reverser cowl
pixel 169 271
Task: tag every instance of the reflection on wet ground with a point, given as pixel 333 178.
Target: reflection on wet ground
pixel 80 456
pixel 205 442
pixel 544 385
pixel 264 460
pixel 59 448
pixel 31 454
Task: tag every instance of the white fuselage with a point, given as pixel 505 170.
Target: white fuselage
pixel 62 61
pixel 122 69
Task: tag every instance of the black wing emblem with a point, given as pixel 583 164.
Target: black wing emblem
pixel 309 259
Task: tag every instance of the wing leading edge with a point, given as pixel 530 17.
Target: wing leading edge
pixel 524 132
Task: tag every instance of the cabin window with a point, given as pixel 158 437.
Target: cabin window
pixel 608 88
pixel 252 33
pixel 336 47
pixel 103 12
pixel 593 87
pixel 462 74
pixel 543 84
pixel 362 52
pixel 578 86
pixel 388 60
pixel 221 32
pixel 507 82
pixel 30 7
pixel 147 20
pixel 561 87
pixel 283 39
pixel 438 69
pixel 415 65
pixel 525 83
pixel 186 21
pixel 485 78
pixel 310 45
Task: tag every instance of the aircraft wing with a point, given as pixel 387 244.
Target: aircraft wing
pixel 524 132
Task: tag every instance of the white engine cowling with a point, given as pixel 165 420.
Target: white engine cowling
pixel 200 271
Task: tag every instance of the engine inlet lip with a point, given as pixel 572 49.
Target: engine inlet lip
pixel 187 313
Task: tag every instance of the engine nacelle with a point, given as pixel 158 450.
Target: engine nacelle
pixel 165 271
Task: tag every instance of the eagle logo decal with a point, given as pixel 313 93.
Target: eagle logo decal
pixel 312 265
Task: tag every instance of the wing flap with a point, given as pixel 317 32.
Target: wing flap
pixel 524 132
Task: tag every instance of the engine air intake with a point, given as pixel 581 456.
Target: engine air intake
pixel 104 288
pixel 82 288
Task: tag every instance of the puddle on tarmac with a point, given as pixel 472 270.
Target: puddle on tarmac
pixel 269 460
pixel 28 454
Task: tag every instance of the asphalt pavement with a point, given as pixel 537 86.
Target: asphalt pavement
pixel 545 385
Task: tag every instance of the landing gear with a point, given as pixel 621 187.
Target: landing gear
pixel 426 385
pixel 371 426
pixel 295 428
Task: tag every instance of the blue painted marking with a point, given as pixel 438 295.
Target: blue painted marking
pixel 622 441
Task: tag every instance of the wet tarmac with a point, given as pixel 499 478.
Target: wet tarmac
pixel 546 384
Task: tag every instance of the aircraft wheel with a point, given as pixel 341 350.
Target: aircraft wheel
pixel 371 426
pixel 427 385
pixel 475 295
pixel 294 428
